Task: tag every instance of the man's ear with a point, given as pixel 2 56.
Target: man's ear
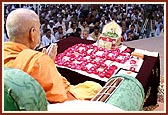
pixel 32 34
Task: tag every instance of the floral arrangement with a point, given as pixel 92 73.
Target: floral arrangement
pixel 111 36
pixel 92 59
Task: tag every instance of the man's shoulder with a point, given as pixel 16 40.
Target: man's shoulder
pixel 52 36
pixel 90 37
pixel 33 53
pixel 91 34
pixel 37 56
pixel 43 37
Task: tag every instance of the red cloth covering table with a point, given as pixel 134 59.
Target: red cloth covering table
pixel 148 75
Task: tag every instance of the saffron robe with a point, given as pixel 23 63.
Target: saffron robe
pixel 41 67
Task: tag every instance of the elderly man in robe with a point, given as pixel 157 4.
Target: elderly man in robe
pixel 23 29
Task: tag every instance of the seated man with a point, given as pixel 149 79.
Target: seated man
pixel 77 33
pixel 60 34
pixel 86 35
pixel 95 34
pixel 132 34
pixel 24 37
pixel 48 38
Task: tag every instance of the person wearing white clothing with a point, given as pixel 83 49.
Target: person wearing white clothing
pixel 60 34
pixel 48 38
pixel 158 22
pixel 86 36
pixel 60 23
pixel 159 30
pixel 72 29
pixel 51 26
pixel 66 17
pixel 83 26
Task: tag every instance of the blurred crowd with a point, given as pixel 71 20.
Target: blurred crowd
pixel 59 21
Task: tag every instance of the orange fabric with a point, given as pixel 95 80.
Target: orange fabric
pixel 42 68
pixel 39 66
pixel 86 90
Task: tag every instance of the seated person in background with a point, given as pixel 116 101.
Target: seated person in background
pixel 134 35
pixel 51 26
pixel 95 34
pixel 60 22
pixel 19 53
pixel 60 34
pixel 159 30
pixel 123 34
pixel 77 33
pixel 86 35
pixel 130 36
pixel 93 25
pixel 84 25
pixel 72 29
pixel 66 26
pixel 48 38
pixel 55 30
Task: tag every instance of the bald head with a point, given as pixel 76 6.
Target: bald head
pixel 19 22
pixel 23 26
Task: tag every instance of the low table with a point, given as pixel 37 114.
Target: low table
pixel 148 75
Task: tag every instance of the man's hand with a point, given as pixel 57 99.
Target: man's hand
pixel 51 50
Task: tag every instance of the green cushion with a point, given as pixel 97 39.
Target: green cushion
pixel 129 95
pixel 22 92
pixel 9 102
